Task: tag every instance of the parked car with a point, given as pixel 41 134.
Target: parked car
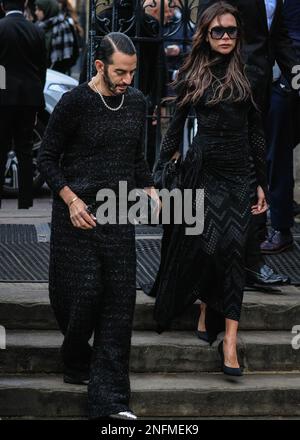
pixel 56 85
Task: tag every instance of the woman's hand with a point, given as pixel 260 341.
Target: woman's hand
pixel 79 216
pixel 157 207
pixel 261 205
pixel 151 191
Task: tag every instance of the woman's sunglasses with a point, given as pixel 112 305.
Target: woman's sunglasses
pixel 218 32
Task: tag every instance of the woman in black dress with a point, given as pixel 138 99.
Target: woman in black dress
pixel 210 266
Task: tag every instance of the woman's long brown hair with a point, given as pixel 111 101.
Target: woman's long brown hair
pixel 195 75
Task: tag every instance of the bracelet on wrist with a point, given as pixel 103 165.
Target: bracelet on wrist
pixel 72 201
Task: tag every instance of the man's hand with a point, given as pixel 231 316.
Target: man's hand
pixel 261 205
pixel 79 216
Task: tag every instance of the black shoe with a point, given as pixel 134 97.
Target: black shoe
pixel 202 335
pixel 276 242
pixel 228 370
pixel 77 379
pixel 264 276
pixel 124 415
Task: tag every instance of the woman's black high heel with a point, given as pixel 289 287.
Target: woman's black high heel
pixel 228 370
pixel 202 335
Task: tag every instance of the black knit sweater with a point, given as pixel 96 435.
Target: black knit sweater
pixel 88 147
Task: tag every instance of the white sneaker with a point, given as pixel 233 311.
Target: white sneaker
pixel 124 415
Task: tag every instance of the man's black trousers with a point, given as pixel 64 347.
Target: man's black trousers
pixel 92 288
pixel 16 128
pixel 281 142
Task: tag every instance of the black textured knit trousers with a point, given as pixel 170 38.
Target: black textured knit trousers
pixel 92 289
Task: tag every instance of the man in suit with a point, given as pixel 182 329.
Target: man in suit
pixel 266 40
pixel 23 56
pixel 282 137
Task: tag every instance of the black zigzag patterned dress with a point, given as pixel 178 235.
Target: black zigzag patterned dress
pixel 210 266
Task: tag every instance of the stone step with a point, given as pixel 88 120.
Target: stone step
pixel 26 306
pixel 169 352
pixel 161 395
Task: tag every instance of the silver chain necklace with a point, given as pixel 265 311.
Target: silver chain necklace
pixel 106 105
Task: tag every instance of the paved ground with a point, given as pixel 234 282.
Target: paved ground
pixel 39 213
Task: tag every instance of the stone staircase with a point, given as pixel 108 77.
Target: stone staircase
pixel 172 375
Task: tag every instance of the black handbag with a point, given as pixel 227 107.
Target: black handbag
pixel 167 174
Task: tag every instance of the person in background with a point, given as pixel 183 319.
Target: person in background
pixel 69 11
pixel 283 136
pixel 179 34
pixel 71 15
pixel 61 43
pixel 23 55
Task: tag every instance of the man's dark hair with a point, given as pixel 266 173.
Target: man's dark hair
pixel 114 42
pixel 12 5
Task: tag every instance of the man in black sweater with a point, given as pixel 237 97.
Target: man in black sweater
pixel 23 56
pixel 93 141
pixel 266 40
